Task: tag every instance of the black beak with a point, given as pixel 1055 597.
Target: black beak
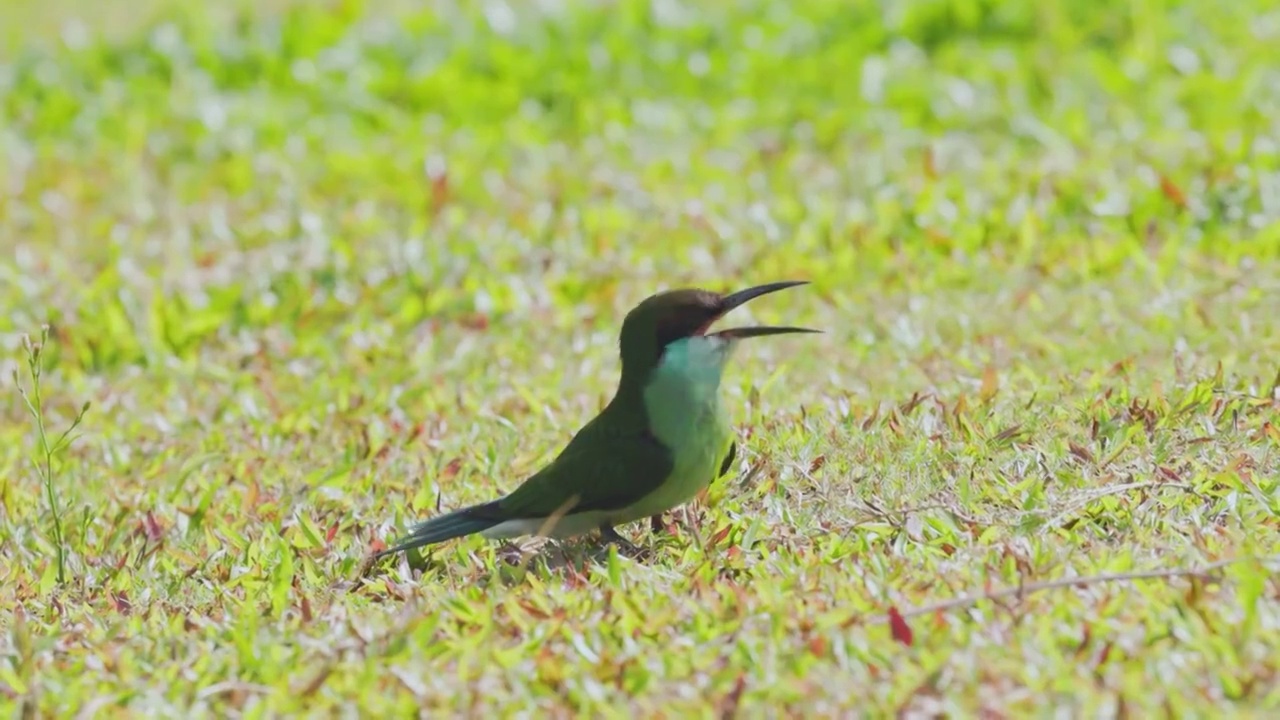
pixel 733 300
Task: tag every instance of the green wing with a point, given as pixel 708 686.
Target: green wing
pixel 603 467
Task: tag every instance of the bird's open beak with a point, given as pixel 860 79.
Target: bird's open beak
pixel 733 300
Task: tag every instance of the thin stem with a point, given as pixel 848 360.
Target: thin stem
pixel 44 464
pixel 1206 572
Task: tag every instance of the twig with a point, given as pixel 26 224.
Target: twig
pixel 1057 519
pixel 1081 503
pixel 1207 572
pixel 232 686
pixel 885 513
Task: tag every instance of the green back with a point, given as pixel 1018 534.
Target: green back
pixel 610 463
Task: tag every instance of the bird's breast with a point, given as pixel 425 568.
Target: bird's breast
pixel 684 413
pixel 682 397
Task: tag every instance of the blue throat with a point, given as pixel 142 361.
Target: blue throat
pixel 682 402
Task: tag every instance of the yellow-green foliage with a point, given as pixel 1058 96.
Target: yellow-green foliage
pixel 322 268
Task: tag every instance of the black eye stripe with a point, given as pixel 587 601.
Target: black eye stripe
pixel 684 326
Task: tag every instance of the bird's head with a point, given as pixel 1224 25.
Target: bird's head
pixel 667 317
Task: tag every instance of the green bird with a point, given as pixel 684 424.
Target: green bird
pixel 661 440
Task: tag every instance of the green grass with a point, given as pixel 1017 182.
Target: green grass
pixel 321 269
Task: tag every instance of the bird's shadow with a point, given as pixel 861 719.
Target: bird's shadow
pixel 570 559
pixel 565 557
pixel 512 560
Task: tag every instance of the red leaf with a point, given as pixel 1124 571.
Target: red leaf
pixel 720 535
pixel 438 193
pixel 475 321
pixel 332 533
pixel 1081 452
pixel 1270 431
pixel 152 527
pixel 817 464
pixel 898 626
pixel 1085 639
pixel 1103 655
pixel 451 470
pixel 1173 193
pixel 377 545
pixel 533 610
pixel 729 705
pixel 818 646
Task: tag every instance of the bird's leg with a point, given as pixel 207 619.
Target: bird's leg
pixel 512 553
pixel 609 535
pixel 656 524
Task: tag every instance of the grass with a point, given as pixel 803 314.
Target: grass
pixel 47 449
pixel 321 269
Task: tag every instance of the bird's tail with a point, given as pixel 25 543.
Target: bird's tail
pixel 466 521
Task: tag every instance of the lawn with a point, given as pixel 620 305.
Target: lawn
pixel 322 269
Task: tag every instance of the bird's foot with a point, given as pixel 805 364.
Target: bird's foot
pixel 681 520
pixel 510 553
pixel 657 525
pixel 611 537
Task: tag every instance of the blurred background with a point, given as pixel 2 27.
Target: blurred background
pixel 320 266
pixel 423 209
